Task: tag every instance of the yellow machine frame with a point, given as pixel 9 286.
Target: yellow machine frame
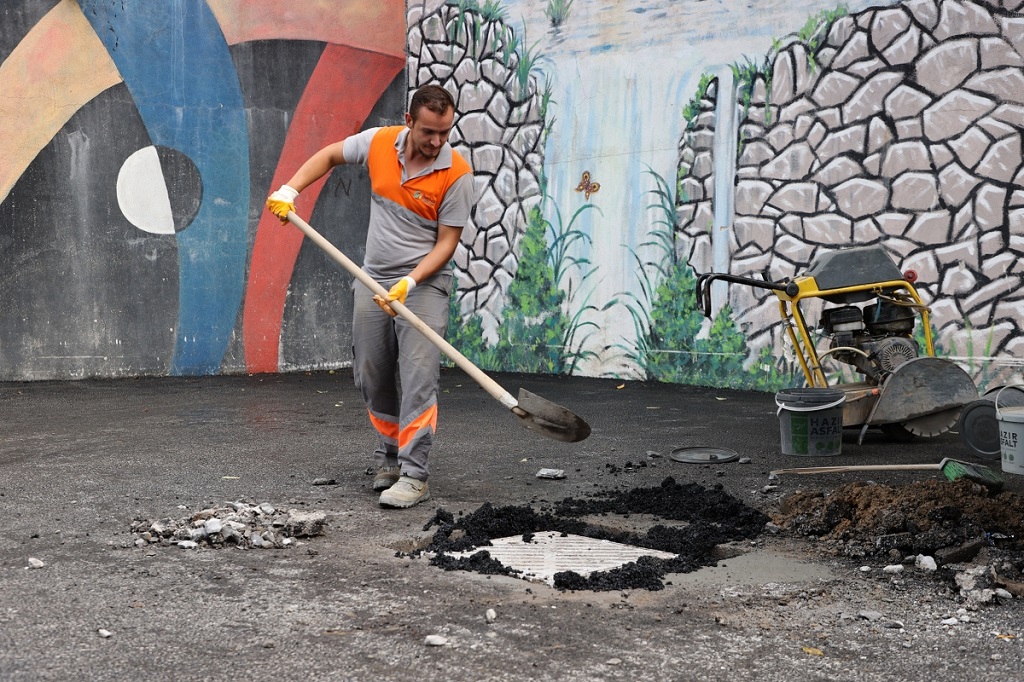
pixel 803 345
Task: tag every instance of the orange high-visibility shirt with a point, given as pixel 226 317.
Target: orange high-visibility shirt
pixel 421 194
pixel 404 215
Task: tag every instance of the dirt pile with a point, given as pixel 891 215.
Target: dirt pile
pixel 924 517
pixel 974 538
pixel 711 517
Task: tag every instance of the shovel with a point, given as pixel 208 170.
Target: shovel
pixel 533 412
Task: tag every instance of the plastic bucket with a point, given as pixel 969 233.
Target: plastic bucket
pixel 811 421
pixel 1011 436
pixel 978 425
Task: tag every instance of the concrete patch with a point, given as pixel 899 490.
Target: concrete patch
pixel 759 567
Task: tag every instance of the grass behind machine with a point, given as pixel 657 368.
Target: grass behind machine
pixel 868 311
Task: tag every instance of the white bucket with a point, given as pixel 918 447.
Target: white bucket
pixel 1011 437
pixel 811 421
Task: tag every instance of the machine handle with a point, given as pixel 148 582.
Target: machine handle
pixel 999 393
pixel 705 281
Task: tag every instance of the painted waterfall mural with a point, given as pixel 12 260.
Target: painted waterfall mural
pixel 620 148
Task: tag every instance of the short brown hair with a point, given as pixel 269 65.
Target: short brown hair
pixel 433 97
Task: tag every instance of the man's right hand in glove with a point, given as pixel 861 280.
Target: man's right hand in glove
pixel 282 201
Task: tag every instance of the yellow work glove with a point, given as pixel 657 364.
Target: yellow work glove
pixel 282 201
pixel 398 293
pixel 401 289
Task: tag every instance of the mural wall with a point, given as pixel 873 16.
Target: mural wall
pixel 620 149
pixel 899 126
pixel 140 140
pixel 686 149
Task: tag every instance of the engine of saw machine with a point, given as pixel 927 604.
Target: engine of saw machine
pixel 875 338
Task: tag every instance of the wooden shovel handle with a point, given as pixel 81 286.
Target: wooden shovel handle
pixel 859 467
pixel 486 382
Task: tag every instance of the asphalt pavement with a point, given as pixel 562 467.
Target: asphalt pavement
pixel 81 462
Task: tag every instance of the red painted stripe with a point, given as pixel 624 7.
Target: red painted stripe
pixel 342 91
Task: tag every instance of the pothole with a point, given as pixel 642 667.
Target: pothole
pixel 704 519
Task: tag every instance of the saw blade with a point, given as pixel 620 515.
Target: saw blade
pixel 932 424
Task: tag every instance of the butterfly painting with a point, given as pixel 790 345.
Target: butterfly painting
pixel 587 186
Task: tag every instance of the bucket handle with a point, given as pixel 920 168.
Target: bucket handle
pixel 808 409
pixel 998 393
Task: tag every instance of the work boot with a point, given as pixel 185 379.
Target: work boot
pixel 386 477
pixel 405 493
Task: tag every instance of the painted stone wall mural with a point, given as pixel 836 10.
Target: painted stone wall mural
pixel 898 126
pixel 514 268
pixel 872 122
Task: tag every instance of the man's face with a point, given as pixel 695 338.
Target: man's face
pixel 429 131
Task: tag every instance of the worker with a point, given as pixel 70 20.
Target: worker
pixel 421 198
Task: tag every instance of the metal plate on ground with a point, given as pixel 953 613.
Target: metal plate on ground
pixel 551 552
pixel 703 455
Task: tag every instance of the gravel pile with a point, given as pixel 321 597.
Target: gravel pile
pixel 238 524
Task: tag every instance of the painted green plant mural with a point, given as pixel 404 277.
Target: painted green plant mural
pixel 537 335
pixel 692 108
pixel 557 12
pixel 815 30
pixel 745 78
pixel 671 343
pixel 474 22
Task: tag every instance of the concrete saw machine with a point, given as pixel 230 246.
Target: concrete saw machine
pixel 867 314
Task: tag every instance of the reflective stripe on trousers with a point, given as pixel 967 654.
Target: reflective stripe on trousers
pixel 396 369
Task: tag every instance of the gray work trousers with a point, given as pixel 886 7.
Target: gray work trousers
pixel 397 371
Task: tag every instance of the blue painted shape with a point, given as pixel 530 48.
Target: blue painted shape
pixel 176 64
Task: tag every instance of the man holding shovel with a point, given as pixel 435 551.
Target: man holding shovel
pixel 422 194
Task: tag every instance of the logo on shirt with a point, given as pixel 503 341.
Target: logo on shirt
pixel 420 196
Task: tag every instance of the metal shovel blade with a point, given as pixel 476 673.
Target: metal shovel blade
pixel 547 418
